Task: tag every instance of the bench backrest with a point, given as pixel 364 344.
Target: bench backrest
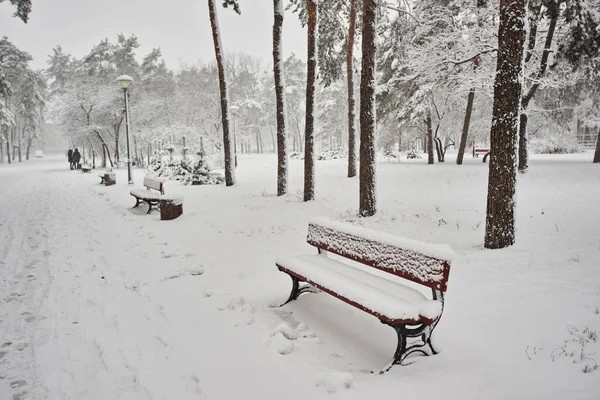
pixel 423 263
pixel 152 182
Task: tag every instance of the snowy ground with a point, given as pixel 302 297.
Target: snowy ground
pixel 99 301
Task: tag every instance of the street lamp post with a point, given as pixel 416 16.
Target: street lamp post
pixel 125 81
pixel 234 110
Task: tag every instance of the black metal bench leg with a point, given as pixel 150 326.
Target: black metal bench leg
pixel 137 202
pixel 297 290
pixel 149 207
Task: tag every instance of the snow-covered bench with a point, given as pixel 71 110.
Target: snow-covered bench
pixel 412 315
pixel 152 194
pixel 86 168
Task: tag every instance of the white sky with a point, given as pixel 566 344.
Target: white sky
pixel 180 28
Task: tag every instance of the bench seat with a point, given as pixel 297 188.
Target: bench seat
pixel 387 300
pixel 146 194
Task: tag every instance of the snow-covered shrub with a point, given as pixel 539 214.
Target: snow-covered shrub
pixel 330 155
pixel 412 154
pixel 554 144
pixel 201 175
pixel 189 171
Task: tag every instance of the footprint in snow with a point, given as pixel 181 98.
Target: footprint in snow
pixel 18 384
pixel 28 317
pixel 334 381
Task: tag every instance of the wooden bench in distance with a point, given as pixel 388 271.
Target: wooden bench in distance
pixel 481 150
pixel 108 178
pixel 407 310
pixel 86 168
pixel 152 194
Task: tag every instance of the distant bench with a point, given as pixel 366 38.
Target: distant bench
pixel 86 168
pixel 154 195
pixel 481 150
pixel 408 311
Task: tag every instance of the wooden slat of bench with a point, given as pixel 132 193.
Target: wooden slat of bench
pixel 384 252
pixel 389 301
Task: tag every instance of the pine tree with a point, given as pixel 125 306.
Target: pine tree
pixel 227 142
pixel 500 216
pixel 311 77
pixel 282 158
pixel 367 191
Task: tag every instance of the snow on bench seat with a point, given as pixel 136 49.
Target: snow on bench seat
pixel 146 194
pixel 390 301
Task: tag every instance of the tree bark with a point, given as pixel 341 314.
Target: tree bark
pixel 351 100
pixel 500 215
pixel 311 76
pixel 367 185
pixel 28 150
pixel 597 153
pixel 430 158
pixel 465 131
pixel 553 12
pixel 227 142
pixel 282 157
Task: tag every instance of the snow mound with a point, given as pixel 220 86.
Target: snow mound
pixel 287 331
pixel 335 381
pixel 281 344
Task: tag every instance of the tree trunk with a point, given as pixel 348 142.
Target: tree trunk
pixel 430 159
pixel 8 147
pixel 227 142
pixel 351 100
pixel 465 132
pixel 311 76
pixel 367 185
pixel 597 153
pixel 553 12
pixel 28 150
pixel 500 214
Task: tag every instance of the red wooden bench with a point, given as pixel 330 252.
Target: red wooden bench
pixel 481 150
pixel 407 310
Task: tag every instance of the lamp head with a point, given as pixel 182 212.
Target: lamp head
pixel 125 81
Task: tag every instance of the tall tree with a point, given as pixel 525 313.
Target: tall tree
pixel 552 8
pixel 367 189
pixel 23 8
pixel 227 142
pixel 470 97
pixel 282 158
pixel 351 100
pixel 311 77
pixel 500 215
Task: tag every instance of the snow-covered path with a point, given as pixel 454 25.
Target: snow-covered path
pixel 71 326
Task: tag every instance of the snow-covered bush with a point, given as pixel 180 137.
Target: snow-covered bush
pixel 330 155
pixel 554 144
pixel 412 154
pixel 189 171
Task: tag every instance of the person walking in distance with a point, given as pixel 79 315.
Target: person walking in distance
pixel 76 158
pixel 70 158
